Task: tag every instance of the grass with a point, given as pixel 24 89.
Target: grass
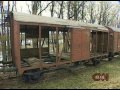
pixel 79 79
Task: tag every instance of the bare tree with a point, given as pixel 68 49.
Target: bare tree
pixel 91 11
pixel 41 10
pixel 68 9
pixel 76 9
pixel 14 6
pixel 52 8
pixel 107 13
pixel 29 8
pixel 36 7
pixel 83 10
pixel 61 9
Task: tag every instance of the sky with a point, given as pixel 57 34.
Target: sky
pixel 22 7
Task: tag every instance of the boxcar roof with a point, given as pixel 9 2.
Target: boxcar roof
pixel 23 17
pixel 115 29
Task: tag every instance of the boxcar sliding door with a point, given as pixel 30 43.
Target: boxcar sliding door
pixel 85 43
pixel 80 44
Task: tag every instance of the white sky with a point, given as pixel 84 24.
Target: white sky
pixel 22 7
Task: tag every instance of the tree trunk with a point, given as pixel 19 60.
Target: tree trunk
pixel 68 9
pixel 52 8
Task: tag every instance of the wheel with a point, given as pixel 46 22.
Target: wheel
pixel 76 63
pixel 27 78
pixel 95 62
pixel 32 76
pixel 109 58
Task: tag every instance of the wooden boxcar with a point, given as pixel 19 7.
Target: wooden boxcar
pixel 43 43
pixel 46 33
pixel 114 40
pixel 99 41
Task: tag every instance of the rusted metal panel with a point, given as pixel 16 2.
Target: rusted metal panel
pixel 11 37
pixel 16 45
pixel 115 42
pixel 76 45
pixel 57 46
pixel 40 48
pixel 105 46
pixel 85 44
pixel 111 40
pixel 118 41
pixel 80 44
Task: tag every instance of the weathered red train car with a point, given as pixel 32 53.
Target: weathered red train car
pixel 99 42
pixel 114 40
pixel 54 42
pixel 40 43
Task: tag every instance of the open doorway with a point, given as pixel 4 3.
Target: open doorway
pixel 98 42
pixel 57 42
pixel 46 44
pixel 29 51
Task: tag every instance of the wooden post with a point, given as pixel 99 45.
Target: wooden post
pixel 21 40
pixel 91 43
pixel 37 42
pixel 58 42
pixel 48 43
pixel 25 36
pixel 108 43
pixel 43 42
pixel 25 40
pixel 40 56
pixel 59 58
pixel 117 41
pixel 8 36
pixel 52 36
pixel 67 37
pixel 57 45
pixel 64 40
pixel 103 42
pixel 96 41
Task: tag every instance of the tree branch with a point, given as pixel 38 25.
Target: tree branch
pixel 77 9
pixel 44 8
pixel 28 8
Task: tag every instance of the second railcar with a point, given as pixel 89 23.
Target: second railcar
pixel 114 40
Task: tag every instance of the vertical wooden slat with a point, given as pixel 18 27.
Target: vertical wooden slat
pixel 96 42
pixel 48 43
pixel 90 42
pixel 25 36
pixel 40 56
pixel 71 44
pixel 11 38
pixel 80 43
pixel 64 40
pixel 76 44
pixel 117 42
pixel 16 46
pixel 57 45
pixel 108 43
pixel 102 41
